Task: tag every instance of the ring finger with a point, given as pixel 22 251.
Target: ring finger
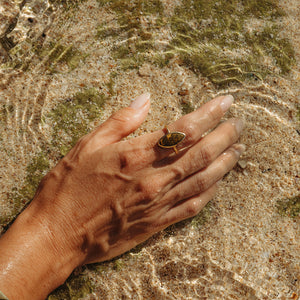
pixel 205 151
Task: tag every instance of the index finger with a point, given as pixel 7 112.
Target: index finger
pixel 193 125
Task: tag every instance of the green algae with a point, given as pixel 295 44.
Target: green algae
pixel 111 83
pixel 218 45
pixel 186 107
pixel 263 9
pixel 56 54
pixel 203 217
pixel 138 35
pixel 7 43
pixel 53 55
pixel 36 170
pixel 118 264
pixel 289 207
pixel 137 7
pixel 72 118
pixel 19 198
pixel 212 38
pixel 77 286
pixel 67 4
pixel 24 53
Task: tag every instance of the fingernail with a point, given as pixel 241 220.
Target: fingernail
pixel 226 102
pixel 239 125
pixel 140 101
pixel 240 149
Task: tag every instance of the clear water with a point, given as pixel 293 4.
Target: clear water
pixel 245 245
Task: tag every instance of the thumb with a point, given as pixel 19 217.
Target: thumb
pixel 124 121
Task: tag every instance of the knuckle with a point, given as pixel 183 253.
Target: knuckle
pixel 231 133
pixel 82 144
pixel 123 160
pixel 131 157
pixel 178 173
pixel 120 120
pixel 201 183
pixel 206 155
pixel 214 114
pixel 148 188
pixel 193 208
pixel 190 131
pixel 67 164
pixel 234 153
pixel 83 141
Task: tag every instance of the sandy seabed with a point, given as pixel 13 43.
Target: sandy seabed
pixel 245 249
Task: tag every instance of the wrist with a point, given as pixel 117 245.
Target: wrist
pixel 34 260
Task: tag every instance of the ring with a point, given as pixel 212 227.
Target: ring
pixel 171 139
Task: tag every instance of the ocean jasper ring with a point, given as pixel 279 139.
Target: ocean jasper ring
pixel 171 140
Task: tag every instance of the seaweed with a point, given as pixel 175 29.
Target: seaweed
pixel 52 55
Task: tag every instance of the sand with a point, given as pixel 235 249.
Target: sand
pixel 245 246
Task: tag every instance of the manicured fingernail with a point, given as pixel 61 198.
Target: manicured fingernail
pixel 140 101
pixel 226 102
pixel 240 148
pixel 239 125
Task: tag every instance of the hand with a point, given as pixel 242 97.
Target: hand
pixel 106 195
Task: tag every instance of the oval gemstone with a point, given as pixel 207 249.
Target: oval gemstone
pixel 171 139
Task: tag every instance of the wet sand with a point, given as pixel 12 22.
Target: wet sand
pixel 243 246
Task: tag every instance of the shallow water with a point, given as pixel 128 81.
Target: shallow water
pixel 85 62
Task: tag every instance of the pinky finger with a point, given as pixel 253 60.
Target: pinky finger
pixel 188 208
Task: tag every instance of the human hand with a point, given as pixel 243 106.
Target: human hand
pixel 116 194
pixel 106 195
